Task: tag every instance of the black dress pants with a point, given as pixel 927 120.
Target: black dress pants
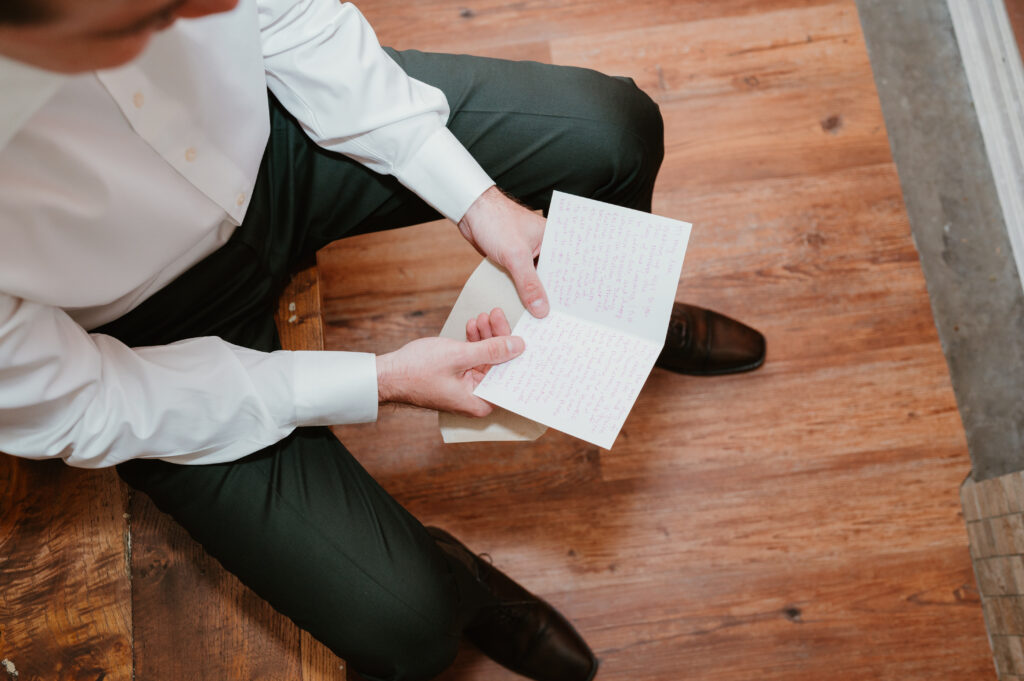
pixel 301 522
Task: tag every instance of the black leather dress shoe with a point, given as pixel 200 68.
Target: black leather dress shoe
pixel 705 343
pixel 521 632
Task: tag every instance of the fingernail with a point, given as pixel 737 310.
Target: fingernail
pixel 539 305
pixel 515 344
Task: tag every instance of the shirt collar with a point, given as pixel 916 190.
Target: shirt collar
pixel 25 89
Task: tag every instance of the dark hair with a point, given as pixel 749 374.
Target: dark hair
pixel 24 12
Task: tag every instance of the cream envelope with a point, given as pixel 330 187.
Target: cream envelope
pixel 487 288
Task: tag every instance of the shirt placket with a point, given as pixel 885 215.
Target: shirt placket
pixel 167 127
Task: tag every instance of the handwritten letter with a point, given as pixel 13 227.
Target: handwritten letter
pixel 611 276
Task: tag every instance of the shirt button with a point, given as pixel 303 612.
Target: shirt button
pixel 138 100
pixel 240 200
pixel 190 154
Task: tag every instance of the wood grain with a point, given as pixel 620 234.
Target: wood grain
pixel 65 609
pixel 318 662
pixel 994 511
pixel 299 312
pixel 798 522
pixel 746 103
pixel 474 27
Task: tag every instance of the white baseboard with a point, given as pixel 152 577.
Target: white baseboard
pixel 995 74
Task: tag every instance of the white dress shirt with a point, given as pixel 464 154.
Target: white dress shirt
pixel 115 182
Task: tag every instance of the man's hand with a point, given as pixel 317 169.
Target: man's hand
pixel 510 235
pixel 441 373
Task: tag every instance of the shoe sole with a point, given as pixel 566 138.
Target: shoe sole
pixel 718 372
pixel 724 372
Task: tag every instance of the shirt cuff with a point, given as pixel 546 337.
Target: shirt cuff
pixel 333 388
pixel 445 175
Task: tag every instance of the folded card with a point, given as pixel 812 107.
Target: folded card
pixel 611 275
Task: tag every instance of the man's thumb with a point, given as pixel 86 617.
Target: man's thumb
pixel 497 350
pixel 529 288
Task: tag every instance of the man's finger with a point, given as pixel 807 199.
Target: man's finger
pixel 494 350
pixel 499 322
pixel 483 323
pixel 531 291
pixel 472 333
pixel 477 408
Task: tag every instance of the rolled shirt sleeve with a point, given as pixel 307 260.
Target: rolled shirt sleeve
pixel 94 402
pixel 325 66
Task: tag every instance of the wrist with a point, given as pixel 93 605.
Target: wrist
pixel 385 378
pixel 479 206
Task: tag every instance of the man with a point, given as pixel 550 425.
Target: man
pixel 152 203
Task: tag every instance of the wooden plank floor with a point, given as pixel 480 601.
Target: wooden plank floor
pixel 799 522
pixel 65 589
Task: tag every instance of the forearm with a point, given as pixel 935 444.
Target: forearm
pixel 92 401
